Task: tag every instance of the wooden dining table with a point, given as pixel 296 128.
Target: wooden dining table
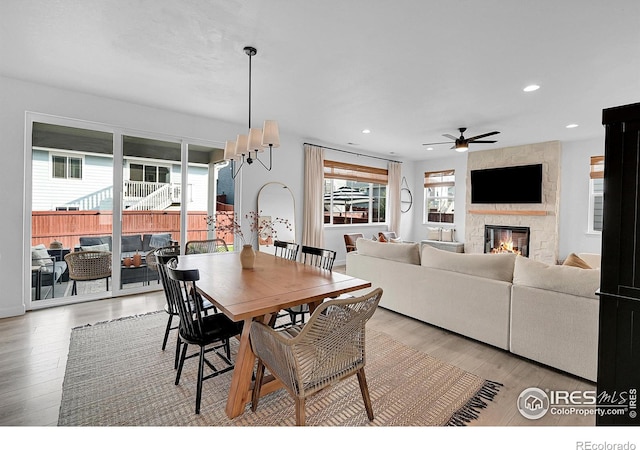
pixel 257 294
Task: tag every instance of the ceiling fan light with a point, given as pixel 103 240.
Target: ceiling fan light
pixel 462 147
pixel 270 134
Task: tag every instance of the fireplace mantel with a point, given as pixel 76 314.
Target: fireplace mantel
pixel 509 212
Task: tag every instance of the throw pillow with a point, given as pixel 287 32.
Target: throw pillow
pixel 447 234
pixel 574 260
pixel 434 234
pixel 40 255
pixel 95 248
pixel 382 238
pixel 396 241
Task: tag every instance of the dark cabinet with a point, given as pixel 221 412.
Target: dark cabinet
pixel 619 329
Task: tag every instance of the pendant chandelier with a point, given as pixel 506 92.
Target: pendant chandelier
pixel 240 151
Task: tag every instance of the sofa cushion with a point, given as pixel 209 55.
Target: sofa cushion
pixel 493 266
pixel 404 253
pixel 132 243
pixel 40 256
pixel 95 240
pixel 566 279
pixel 160 240
pixel 574 260
pixel 95 248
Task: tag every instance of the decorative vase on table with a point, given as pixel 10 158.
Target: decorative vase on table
pixel 247 256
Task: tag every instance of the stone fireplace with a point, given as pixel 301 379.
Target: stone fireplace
pixel 540 218
pixel 506 239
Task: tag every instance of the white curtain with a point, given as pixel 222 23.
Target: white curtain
pixel 313 217
pixel 393 196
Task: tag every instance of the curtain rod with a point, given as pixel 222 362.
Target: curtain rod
pixel 353 153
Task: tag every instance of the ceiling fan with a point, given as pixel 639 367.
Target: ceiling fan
pixel 461 144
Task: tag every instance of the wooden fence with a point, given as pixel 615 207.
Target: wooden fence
pixel 68 226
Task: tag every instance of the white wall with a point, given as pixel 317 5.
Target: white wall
pixel 574 197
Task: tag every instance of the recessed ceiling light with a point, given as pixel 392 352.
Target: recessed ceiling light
pixel 572 125
pixel 366 131
pixel 429 148
pixel 531 88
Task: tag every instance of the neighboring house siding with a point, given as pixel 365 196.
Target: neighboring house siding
pixel 49 193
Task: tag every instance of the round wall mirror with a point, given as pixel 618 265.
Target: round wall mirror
pixel 406 200
pixel 275 205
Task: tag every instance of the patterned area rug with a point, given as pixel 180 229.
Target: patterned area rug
pixel 118 375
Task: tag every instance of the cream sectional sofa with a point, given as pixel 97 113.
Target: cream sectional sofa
pixel 545 313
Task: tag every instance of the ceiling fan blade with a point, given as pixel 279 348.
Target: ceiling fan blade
pixel 450 137
pixel 437 143
pixel 483 142
pixel 482 135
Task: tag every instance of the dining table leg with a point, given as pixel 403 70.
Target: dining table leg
pixel 242 373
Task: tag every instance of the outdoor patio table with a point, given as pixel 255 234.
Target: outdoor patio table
pixel 256 294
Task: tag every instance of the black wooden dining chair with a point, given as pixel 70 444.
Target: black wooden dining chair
pixel 163 255
pixel 313 256
pixel 211 333
pixel 286 250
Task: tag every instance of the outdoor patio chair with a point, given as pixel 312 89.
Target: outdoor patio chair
pixel 206 246
pixel 87 266
pixel 329 348
pixel 213 331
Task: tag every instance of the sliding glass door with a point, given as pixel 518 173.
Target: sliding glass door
pixel 102 200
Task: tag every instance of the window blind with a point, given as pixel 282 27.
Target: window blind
pixel 437 179
pixel 354 172
pixel 597 167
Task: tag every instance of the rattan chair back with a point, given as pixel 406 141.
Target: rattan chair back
pixel 206 246
pixel 329 348
pixel 88 265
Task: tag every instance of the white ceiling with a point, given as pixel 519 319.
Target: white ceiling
pixel 408 70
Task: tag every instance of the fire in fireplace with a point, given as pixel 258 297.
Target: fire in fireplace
pixel 505 239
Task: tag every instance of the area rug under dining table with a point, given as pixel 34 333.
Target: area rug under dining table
pixel 117 375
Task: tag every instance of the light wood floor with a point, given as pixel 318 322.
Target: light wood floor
pixel 33 356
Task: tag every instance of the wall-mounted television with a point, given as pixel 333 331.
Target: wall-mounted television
pixel 518 184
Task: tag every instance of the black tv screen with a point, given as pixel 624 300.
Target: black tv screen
pixel 519 184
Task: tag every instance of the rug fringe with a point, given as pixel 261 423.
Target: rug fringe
pixel 471 410
pixel 116 320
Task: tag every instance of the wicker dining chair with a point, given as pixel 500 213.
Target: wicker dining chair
pixel 88 266
pixel 206 246
pixel 211 333
pixel 329 348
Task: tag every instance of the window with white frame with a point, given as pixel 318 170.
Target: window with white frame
pixel 596 194
pixel 354 194
pixel 439 193
pixel 66 167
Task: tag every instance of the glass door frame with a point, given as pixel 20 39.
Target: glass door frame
pixel 118 134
